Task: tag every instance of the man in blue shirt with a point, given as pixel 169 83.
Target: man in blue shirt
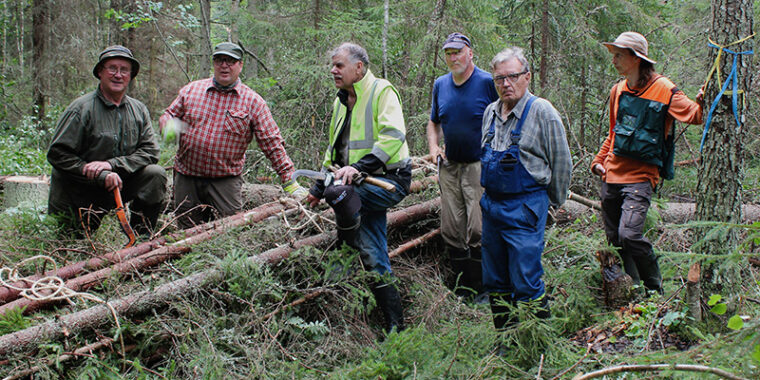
pixel 459 99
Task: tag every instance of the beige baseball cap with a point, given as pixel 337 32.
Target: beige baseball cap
pixel 633 41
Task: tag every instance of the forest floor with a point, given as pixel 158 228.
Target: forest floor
pixel 246 326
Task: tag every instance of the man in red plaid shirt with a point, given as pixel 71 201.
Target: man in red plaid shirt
pixel 216 119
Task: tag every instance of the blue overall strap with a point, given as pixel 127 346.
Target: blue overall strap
pixel 733 78
pixel 518 129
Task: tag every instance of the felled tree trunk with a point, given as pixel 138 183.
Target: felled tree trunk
pixel 673 212
pixel 142 302
pixel 186 237
pixel 23 191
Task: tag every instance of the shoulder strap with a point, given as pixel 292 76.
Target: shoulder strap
pixel 518 128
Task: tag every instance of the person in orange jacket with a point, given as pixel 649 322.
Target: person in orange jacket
pixel 638 151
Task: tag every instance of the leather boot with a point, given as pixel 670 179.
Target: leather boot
pixel 389 302
pixel 459 260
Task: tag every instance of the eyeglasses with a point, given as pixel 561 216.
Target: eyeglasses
pixel 113 70
pixel 511 78
pixel 226 59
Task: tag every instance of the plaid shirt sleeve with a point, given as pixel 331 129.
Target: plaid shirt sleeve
pixel 270 141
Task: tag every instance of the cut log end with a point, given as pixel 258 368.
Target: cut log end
pixel 25 191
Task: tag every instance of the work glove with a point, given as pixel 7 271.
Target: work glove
pixel 294 189
pixel 173 128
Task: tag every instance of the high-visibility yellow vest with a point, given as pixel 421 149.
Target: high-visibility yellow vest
pixel 377 125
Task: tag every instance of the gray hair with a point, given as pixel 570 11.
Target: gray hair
pixel 355 54
pixel 509 53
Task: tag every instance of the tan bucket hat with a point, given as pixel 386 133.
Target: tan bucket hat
pixel 633 41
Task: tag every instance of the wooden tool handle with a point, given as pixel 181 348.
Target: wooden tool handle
pixel 371 180
pixel 385 185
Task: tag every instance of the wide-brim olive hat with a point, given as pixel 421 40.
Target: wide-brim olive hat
pixel 116 51
pixel 633 41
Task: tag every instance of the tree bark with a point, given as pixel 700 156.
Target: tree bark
pixel 584 96
pixel 386 21
pixel 720 175
pixel 40 11
pixel 430 51
pixel 694 292
pixel 234 8
pixel 20 36
pixel 544 44
pixel 206 51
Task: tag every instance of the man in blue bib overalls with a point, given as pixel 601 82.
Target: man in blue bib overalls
pixel 526 167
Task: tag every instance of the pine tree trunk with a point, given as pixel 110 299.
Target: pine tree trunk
pixel 205 45
pixel 544 45
pixel 719 187
pixel 40 10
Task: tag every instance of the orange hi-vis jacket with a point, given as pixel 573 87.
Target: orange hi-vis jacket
pixel 619 169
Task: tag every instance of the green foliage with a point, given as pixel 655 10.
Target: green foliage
pixel 23 149
pixel 312 330
pixel 14 320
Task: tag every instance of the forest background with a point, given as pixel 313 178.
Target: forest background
pixel 49 49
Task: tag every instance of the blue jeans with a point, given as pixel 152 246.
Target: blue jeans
pixel 373 246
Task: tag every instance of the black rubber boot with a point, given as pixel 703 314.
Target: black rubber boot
pixel 459 260
pixel 542 309
pixel 389 302
pixel 501 309
pixel 348 231
pixel 475 275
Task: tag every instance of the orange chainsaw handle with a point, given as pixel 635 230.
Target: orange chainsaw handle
pixel 122 216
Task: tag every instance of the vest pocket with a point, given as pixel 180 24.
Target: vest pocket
pixel 639 129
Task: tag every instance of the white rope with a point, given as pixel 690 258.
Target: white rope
pixel 310 219
pixel 48 288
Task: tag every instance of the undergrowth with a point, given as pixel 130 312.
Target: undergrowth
pixel 313 316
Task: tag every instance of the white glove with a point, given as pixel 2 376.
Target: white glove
pixel 173 128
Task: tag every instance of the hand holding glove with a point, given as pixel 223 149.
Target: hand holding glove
pixel 172 129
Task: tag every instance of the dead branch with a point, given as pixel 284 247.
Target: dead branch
pixel 422 184
pixel 657 367
pixel 142 302
pixel 687 162
pixel 199 232
pixel 416 242
pixel 105 342
pixel 584 201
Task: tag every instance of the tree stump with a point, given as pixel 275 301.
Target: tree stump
pixel 694 292
pixel 26 192
pixel 616 284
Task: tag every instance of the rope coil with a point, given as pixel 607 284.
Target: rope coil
pixel 48 288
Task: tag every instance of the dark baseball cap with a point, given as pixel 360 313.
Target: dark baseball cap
pixel 456 40
pixel 116 51
pixel 230 49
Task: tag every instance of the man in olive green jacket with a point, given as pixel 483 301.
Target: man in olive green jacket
pixel 104 141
